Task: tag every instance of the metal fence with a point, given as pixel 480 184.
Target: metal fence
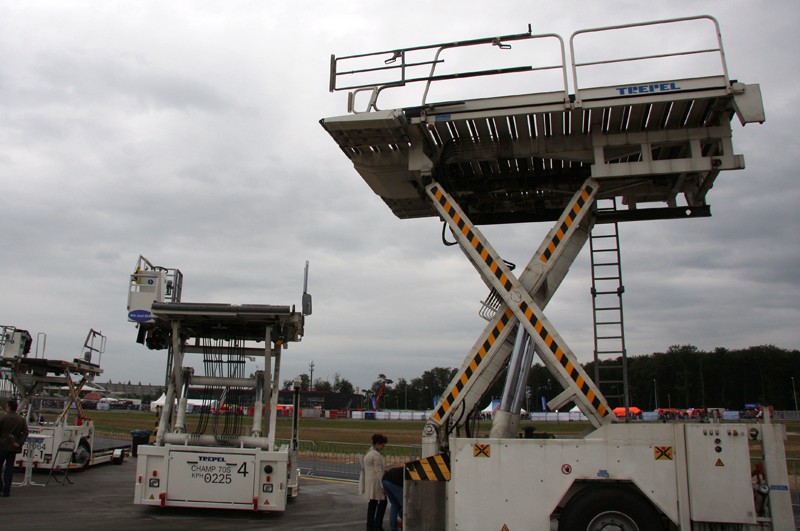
pixel 341 460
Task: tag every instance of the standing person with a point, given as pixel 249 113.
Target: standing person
pixel 374 468
pixel 393 487
pixel 13 432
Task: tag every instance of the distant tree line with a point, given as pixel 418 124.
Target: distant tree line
pixel 682 377
pixel 417 393
pixel 685 376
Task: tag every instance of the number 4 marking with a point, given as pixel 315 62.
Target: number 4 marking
pixel 242 469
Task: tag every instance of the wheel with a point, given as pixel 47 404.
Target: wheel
pixel 610 508
pixel 83 454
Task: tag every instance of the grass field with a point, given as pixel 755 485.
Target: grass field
pixel 399 432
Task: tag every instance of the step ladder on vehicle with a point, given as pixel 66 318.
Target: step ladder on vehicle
pixel 610 354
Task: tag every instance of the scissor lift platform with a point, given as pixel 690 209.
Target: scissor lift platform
pixel 654 147
pixel 657 145
pixel 227 462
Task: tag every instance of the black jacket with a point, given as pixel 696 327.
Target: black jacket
pixel 13 432
pixel 394 475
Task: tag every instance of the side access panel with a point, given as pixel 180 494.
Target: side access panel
pixel 718 461
pixel 212 477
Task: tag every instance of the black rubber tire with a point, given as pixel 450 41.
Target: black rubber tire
pixel 600 506
pixel 83 454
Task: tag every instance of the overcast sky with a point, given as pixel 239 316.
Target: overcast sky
pixel 188 132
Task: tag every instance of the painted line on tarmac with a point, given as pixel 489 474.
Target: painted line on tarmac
pixel 331 480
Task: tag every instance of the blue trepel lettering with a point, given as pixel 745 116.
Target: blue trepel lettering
pixel 647 89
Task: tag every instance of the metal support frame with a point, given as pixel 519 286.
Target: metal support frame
pixel 520 304
pixel 541 277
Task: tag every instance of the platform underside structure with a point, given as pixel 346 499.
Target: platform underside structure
pixel 657 145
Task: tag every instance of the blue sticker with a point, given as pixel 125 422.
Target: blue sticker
pixel 603 474
pixel 140 316
pixel 778 487
pixel 442 117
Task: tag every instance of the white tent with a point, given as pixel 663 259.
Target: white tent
pixel 191 403
pixel 494 406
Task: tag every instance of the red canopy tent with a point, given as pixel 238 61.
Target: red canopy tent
pixel 620 411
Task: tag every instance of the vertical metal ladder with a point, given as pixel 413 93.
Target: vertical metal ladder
pixel 610 356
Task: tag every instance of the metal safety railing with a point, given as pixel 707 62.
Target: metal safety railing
pixel 377 71
pixel 625 58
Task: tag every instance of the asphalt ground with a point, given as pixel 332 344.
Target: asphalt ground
pixel 101 498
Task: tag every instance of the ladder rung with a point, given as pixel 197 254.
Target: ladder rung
pixel 607 288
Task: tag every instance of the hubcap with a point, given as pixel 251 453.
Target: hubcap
pixel 612 521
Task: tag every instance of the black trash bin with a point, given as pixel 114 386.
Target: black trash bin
pixel 139 437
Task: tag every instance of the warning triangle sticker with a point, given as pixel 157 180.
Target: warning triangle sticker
pixel 152 497
pixel 719 462
pixel 504 528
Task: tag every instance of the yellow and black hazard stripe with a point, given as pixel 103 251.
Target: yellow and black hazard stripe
pixel 580 203
pixel 473 239
pixel 508 284
pixel 444 405
pixel 564 360
pixel 155 426
pixel 433 468
pixel 583 198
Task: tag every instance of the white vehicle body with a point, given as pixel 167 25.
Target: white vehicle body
pixel 68 441
pixel 44 441
pixel 230 478
pixel 647 141
pixel 532 481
